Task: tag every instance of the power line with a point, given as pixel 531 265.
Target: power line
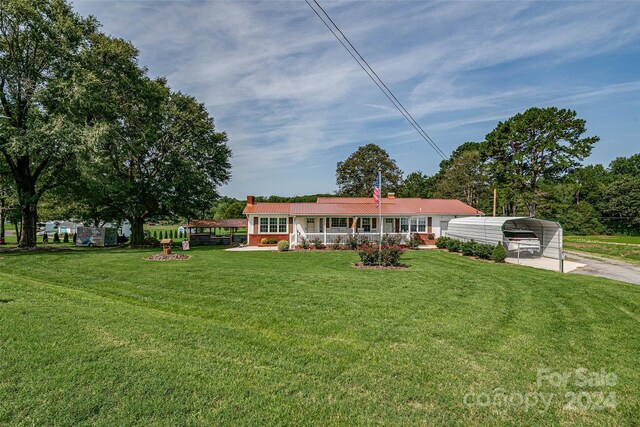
pixel 375 78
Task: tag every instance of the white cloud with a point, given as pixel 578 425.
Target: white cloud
pixel 292 99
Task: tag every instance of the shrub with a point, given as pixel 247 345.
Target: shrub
pixel 317 243
pixel 453 245
pixel 441 243
pixel 352 242
pixel 283 246
pixel 171 234
pixel 65 238
pixel 304 243
pixel 499 253
pixel 273 240
pixel 431 236
pixel 264 241
pixel 483 251
pixel 468 248
pixel 155 234
pixel 56 237
pixel 337 243
pixel 414 241
pixel 180 234
pixel 74 238
pixel 166 234
pixel 391 240
pixel 385 255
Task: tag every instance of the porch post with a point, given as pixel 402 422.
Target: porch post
pixel 324 229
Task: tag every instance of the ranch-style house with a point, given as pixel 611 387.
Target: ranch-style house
pixel 333 219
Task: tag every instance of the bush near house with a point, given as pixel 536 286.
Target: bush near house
pixel 414 241
pixel 283 246
pixel 317 243
pixel 264 241
pixel 352 242
pixel 304 243
pixel 56 237
pixel 470 248
pixel 272 241
pixel 65 238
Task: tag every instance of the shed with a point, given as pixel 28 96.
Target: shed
pixel 490 230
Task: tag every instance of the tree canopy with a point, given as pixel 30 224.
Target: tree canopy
pixel 356 176
pixel 40 45
pixel 537 144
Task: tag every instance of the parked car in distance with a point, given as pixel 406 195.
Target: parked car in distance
pixel 521 241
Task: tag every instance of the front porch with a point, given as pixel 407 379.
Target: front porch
pixel 334 230
pixel 342 238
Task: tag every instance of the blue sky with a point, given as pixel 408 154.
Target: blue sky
pixel 294 102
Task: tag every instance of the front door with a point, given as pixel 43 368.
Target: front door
pixel 311 225
pixel 389 225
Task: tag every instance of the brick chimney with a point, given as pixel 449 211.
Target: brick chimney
pixel 251 200
pixel 391 195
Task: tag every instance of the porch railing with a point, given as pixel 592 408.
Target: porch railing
pixel 333 238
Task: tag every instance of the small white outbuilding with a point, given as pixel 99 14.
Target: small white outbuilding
pixel 490 230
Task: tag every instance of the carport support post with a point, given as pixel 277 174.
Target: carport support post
pixel 560 251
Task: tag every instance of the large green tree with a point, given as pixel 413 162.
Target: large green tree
pixel 541 143
pixel 356 175
pixel 463 178
pixel 40 41
pixel 158 153
pixel 417 184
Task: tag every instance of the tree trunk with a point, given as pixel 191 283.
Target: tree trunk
pixel 29 219
pixel 137 230
pixel 2 217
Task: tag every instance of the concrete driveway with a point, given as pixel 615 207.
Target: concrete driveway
pixel 604 267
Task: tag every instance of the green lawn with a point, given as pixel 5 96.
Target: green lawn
pixel 632 240
pixel 104 337
pixel 623 248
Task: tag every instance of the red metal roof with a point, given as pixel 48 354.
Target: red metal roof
pixel 358 206
pixel 268 208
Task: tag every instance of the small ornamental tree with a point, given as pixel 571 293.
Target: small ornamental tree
pixel 171 234
pixel 65 238
pixel 155 234
pixel 56 237
pixel 499 253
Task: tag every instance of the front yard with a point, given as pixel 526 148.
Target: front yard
pixel 622 248
pixel 104 337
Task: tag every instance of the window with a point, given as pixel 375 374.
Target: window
pixel 366 225
pixel 273 225
pixel 338 222
pixel 422 224
pixel 414 224
pixel 404 225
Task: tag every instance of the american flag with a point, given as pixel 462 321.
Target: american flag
pixel 376 192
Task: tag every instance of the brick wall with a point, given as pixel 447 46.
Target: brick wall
pixel 254 239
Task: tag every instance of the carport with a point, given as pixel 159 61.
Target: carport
pixel 490 230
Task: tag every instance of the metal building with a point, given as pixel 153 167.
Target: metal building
pixel 491 230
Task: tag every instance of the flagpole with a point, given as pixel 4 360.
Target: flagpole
pixel 380 219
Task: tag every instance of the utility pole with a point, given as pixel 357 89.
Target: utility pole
pixel 495 197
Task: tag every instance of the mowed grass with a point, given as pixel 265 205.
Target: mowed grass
pixel 104 337
pixel 623 248
pixel 630 240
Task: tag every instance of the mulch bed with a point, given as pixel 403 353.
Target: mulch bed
pixel 170 257
pixel 379 267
